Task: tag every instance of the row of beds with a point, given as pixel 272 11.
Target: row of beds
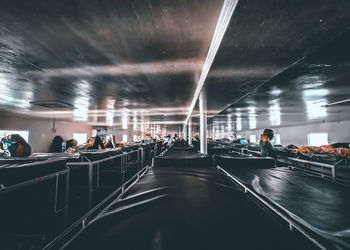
pixel 331 167
pixel 46 193
pixel 309 191
pixel 220 200
pixel 223 200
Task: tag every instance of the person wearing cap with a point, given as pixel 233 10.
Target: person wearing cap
pixel 266 148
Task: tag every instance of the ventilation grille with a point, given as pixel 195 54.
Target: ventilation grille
pixel 53 104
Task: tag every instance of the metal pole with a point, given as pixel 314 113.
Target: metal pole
pixel 190 131
pixel 203 122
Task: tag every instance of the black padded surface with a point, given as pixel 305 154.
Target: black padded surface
pixel 15 174
pixel 176 208
pixel 319 205
pixel 285 152
pixel 228 161
pixel 182 158
pixel 331 159
pixel 254 147
pixel 127 149
pixel 186 147
pixel 217 150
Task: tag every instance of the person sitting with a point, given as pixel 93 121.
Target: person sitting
pixel 15 146
pixel 98 143
pixel 111 143
pixel 148 139
pixel 266 148
pixel 56 145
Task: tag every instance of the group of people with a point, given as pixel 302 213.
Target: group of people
pixel 15 146
pixel 71 146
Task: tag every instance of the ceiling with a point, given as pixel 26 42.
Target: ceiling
pixel 121 58
pixel 278 63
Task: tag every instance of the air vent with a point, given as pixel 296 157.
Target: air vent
pixel 53 104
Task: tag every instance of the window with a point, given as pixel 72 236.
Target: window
pixel 125 138
pixel 23 133
pixel 80 137
pixel 276 139
pixel 252 138
pixel 317 139
pixel 93 132
pixel 135 138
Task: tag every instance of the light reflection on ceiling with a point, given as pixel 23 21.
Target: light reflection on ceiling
pixel 132 64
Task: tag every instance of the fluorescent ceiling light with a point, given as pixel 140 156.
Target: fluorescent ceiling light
pixel 220 29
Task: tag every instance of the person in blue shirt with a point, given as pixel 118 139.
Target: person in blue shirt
pixel 266 148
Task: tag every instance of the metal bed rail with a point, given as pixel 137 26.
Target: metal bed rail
pixel 291 223
pixel 94 168
pixel 65 172
pixel 315 167
pixel 76 228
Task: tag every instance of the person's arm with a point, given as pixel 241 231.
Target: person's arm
pixel 263 146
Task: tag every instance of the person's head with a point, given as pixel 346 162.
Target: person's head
pixel 56 145
pixel 269 133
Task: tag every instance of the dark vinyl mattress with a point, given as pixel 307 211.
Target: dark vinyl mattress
pixel 319 205
pixel 179 208
pixel 186 158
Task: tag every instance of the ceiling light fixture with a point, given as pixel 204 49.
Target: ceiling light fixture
pixel 335 103
pixel 220 29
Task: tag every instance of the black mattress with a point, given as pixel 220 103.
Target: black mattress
pixel 238 145
pixel 183 158
pixel 183 147
pixel 254 147
pixel 177 208
pixel 95 154
pixel 324 158
pixel 285 152
pixel 229 161
pixel 319 205
pixel 11 175
pixel 217 150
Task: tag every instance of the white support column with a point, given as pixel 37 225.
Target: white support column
pixel 189 131
pixel 203 122
pixel 185 134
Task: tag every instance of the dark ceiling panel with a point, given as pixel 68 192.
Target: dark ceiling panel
pixel 299 95
pixel 266 37
pixel 127 54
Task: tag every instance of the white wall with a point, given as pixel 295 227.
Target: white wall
pixel 120 132
pixel 297 135
pixel 40 130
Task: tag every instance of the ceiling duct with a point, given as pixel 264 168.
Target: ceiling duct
pixel 53 105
